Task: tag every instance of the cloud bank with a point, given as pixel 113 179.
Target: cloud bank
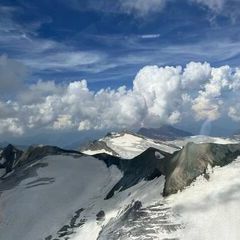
pixel 159 95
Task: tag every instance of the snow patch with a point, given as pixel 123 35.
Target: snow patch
pixel 128 145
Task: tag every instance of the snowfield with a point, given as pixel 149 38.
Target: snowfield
pixel 210 209
pixel 94 152
pixel 206 210
pixel 128 145
pixel 55 187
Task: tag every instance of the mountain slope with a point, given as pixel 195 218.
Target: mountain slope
pixel 38 199
pixel 60 194
pixel 165 132
pixel 193 160
pixel 11 157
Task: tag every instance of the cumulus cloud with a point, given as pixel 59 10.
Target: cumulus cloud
pixel 11 125
pixel 159 95
pixel 234 113
pixel 196 74
pixel 209 100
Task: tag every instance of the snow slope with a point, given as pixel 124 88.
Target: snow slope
pixel 206 210
pixel 128 145
pixel 46 194
pixel 60 197
pixel 210 209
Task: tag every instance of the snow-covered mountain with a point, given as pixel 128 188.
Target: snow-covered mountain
pixel 189 193
pixel 127 145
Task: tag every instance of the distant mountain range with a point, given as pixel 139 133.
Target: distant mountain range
pixel 165 132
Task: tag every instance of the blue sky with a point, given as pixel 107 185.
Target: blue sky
pixel 47 45
pixel 107 42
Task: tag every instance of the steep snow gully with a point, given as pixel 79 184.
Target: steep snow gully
pixel 49 193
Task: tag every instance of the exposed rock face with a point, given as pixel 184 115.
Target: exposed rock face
pixel 37 152
pixel 192 161
pixel 180 168
pixel 99 145
pixel 147 165
pixel 165 132
pixel 100 216
pixel 12 158
pixel 9 158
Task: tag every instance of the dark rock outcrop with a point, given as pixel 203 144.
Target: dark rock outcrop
pixel 99 145
pixel 34 153
pixel 9 157
pixel 180 168
pixel 146 166
pixel 12 158
pixel 100 216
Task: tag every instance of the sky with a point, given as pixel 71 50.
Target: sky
pixel 78 67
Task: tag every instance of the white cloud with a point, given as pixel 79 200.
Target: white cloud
pixel 11 125
pixel 234 113
pixel 150 36
pixel 209 101
pixel 159 95
pixel 63 121
pixel 196 73
pixel 159 87
pixel 175 117
pixel 63 60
